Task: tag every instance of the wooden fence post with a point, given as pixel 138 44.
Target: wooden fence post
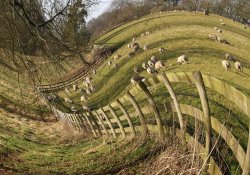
pixel 124 111
pixel 139 112
pixel 90 124
pixel 101 122
pixel 154 108
pixel 117 120
pixel 109 123
pixel 95 122
pixel 176 104
pixel 207 118
pixel 246 168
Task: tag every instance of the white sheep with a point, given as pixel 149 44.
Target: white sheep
pixel 153 58
pixel 143 34
pixel 212 37
pixel 83 98
pixel 223 24
pixel 219 30
pixel 151 70
pixel 67 90
pixel 109 62
pixel 67 100
pixel 144 65
pixel 151 63
pixel 88 91
pixel 85 107
pixel 86 84
pixel 73 109
pixel 92 88
pixel 88 80
pixel 94 71
pixel 238 66
pixel 117 57
pixel 147 33
pixel 145 48
pixel 129 45
pixel 182 59
pixel 221 20
pixel 222 40
pixel 245 27
pixel 215 28
pixel 136 70
pixel 159 64
pixel 133 39
pixel 226 64
pixel 75 87
pixel 161 50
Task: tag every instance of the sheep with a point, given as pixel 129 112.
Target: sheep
pixel 117 56
pixel 131 54
pixel 144 65
pixel 67 90
pixel 129 45
pixel 238 66
pixel 215 28
pixel 86 84
pixel 136 70
pixel 68 100
pixel 75 87
pixel 136 48
pixel 226 65
pixel 219 30
pixel 88 80
pixel 82 91
pixel 49 98
pixel 92 88
pixel 73 109
pixel 245 27
pixel 230 57
pixel 212 37
pixel 223 24
pixel 182 59
pixel 221 20
pixel 222 40
pixel 83 98
pixel 161 50
pixel 145 48
pixel 151 63
pixel 153 58
pixel 135 45
pixel 109 62
pixel 136 79
pixel 151 70
pixel 116 66
pixel 85 107
pixel 94 71
pixel 88 91
pixel 147 33
pixel 159 64
pixel 160 12
pixel 143 34
pixel 133 39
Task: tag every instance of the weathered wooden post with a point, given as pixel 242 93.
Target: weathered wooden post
pixel 90 124
pixel 175 101
pixel 139 112
pixel 154 108
pixel 124 111
pixel 207 118
pixel 117 120
pixel 246 168
pixel 95 122
pixel 109 123
pixel 101 122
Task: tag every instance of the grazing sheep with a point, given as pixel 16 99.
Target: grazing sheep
pixel 136 48
pixel 73 109
pixel 143 34
pixel 219 30
pixel 144 65
pixel 133 39
pixel 159 64
pixel 222 40
pixel 86 84
pixel 116 66
pixel 136 79
pixel 68 100
pixel 245 27
pixel 67 90
pixel 153 58
pixel 147 33
pixel 88 91
pixel 88 79
pixel 94 71
pixel 145 48
pixel 151 70
pixel 131 54
pixel 85 107
pixel 109 62
pixel 83 98
pixel 182 59
pixel 117 57
pixel 136 70
pixel 226 65
pixel 238 66
pixel 230 57
pixel 212 37
pixel 135 45
pixel 49 98
pixel 221 20
pixel 215 28
pixel 223 24
pixel 75 87
pixel 151 63
pixel 92 88
pixel 161 50
pixel 129 45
